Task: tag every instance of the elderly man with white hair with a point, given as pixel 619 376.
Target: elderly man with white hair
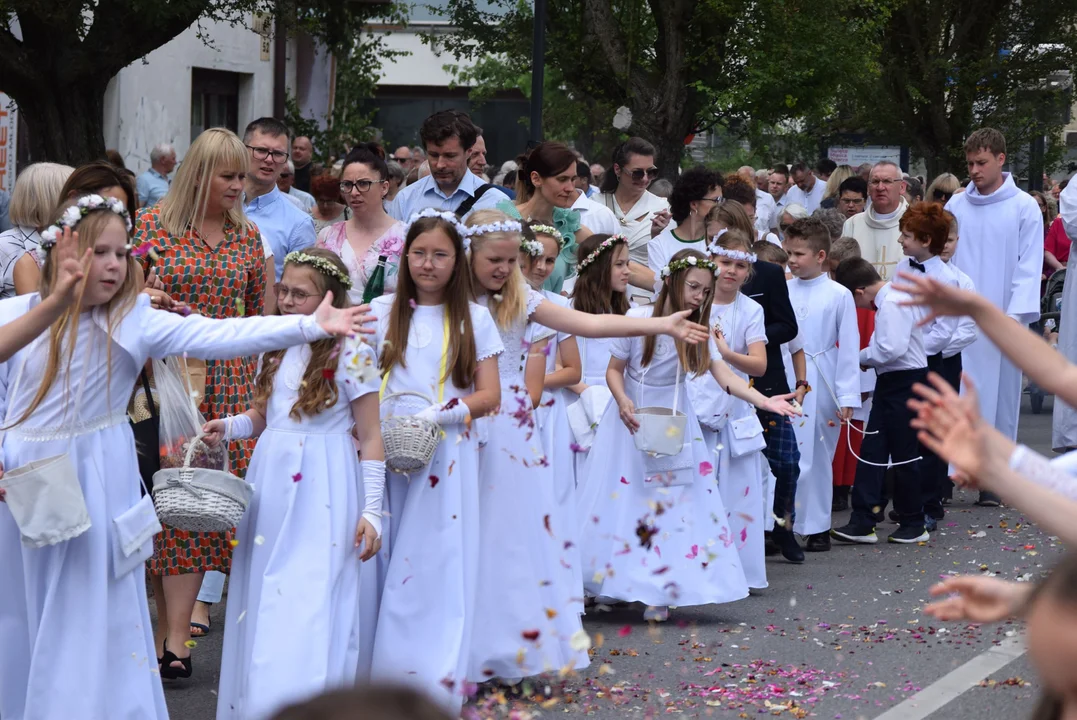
pixel 153 184
pixel 286 184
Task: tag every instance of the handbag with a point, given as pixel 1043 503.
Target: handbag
pixel 194 379
pixel 145 424
pixel 661 429
pixel 44 496
pixel 745 436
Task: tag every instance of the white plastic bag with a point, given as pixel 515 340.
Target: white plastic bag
pixel 181 422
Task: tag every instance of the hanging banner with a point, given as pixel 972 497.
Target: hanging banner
pixel 870 154
pixel 9 122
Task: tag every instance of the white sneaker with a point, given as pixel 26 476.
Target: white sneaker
pixel 658 613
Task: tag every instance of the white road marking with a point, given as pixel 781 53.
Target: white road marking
pixel 950 686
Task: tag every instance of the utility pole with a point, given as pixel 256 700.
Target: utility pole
pixel 538 69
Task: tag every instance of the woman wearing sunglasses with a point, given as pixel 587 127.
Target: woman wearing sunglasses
pixel 642 214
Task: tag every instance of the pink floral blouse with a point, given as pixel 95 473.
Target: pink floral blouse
pixel 390 244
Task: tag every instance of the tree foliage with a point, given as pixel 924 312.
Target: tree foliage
pixel 950 66
pixel 58 65
pixel 682 66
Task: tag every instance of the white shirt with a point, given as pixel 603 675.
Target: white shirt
pixel 665 245
pixel 595 216
pixel 940 331
pixel 967 331
pixel 810 199
pixel 766 211
pixel 897 343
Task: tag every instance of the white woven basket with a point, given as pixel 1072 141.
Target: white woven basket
pixel 200 499
pixel 410 442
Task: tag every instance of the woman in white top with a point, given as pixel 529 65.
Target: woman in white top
pixel 370 233
pixel 642 214
pixel 32 203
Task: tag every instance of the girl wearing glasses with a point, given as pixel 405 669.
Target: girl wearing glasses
pixel 522 532
pixel 315 515
pixel 370 233
pixel 653 527
pixel 432 340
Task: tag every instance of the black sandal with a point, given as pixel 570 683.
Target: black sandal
pixel 173 673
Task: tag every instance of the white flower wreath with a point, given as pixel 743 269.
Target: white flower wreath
pixel 73 215
pixel 500 226
pixel 604 246
pixel 321 265
pixel 449 217
pixel 531 247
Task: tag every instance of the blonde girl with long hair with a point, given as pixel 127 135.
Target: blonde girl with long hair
pixel 33 201
pixel 203 251
pixel 639 513
pixel 83 588
pixel 316 509
pixel 517 512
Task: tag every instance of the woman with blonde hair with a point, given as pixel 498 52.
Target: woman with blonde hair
pixel 942 188
pixel 210 256
pixel 830 192
pixel 33 202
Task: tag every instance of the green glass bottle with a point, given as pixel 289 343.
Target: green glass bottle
pixel 375 286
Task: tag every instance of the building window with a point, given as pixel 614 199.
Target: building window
pixel 214 100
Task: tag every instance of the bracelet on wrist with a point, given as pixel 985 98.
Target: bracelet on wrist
pixel 803 384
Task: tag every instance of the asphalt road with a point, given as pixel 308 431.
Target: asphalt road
pixel 840 637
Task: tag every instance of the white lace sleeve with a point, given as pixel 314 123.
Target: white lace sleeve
pixel 534 299
pixel 1035 467
pixel 487 338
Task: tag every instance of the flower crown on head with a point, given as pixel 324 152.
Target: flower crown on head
pixel 74 214
pixel 531 247
pixel 689 263
pixel 603 247
pixel 547 230
pixel 449 217
pixel 715 249
pixel 325 267
pixel 499 226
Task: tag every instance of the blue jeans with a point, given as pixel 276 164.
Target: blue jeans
pixel 212 587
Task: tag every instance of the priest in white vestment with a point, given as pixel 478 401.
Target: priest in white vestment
pixel 877 228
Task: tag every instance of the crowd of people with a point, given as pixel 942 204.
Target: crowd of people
pixel 638 394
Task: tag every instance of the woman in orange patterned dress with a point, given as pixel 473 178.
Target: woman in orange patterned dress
pixel 209 256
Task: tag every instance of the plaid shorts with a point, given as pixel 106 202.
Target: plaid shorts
pixel 783 454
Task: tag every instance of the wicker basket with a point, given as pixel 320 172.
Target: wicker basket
pixel 200 499
pixel 409 441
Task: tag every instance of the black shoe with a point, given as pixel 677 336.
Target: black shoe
pixel 172 673
pixel 819 542
pixel 909 536
pixel 788 545
pixel 947 500
pixel 770 545
pixel 988 499
pixel 893 515
pixel 936 513
pixel 930 523
pixel 855 534
pixel 880 515
pixel 841 499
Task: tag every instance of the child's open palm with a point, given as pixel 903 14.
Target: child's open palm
pixel 70 269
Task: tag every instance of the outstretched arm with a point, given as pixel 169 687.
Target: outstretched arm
pixel 738 387
pixel 584 324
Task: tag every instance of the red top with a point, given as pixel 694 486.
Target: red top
pixel 1057 243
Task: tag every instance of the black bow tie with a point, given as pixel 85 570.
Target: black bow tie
pixel 917 266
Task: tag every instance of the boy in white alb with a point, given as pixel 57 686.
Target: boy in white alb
pixel 826 317
pixel 896 351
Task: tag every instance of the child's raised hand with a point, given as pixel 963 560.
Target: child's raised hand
pixel 680 327
pixel 213 432
pixel 343 321
pixel 70 269
pixel 367 538
pixel 978 599
pixel 941 300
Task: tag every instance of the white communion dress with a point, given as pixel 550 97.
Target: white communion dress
pixel 654 530
pixel 293 623
pixel 75 633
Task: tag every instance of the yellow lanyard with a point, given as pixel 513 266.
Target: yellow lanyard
pixel 441 367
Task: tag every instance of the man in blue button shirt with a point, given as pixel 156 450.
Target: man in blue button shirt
pixel 284 226
pixel 448 138
pixel 153 184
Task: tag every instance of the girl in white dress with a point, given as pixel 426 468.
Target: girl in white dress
pixel 525 599
pixel 75 634
pixel 653 529
pixel 433 341
pixel 563 368
pixel 601 289
pixel 315 514
pixel 741 337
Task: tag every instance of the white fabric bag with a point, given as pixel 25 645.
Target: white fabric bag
pixel 745 436
pixel 132 537
pixel 44 496
pixel 661 429
pixel 584 414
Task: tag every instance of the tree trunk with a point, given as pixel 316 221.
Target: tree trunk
pixel 66 123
